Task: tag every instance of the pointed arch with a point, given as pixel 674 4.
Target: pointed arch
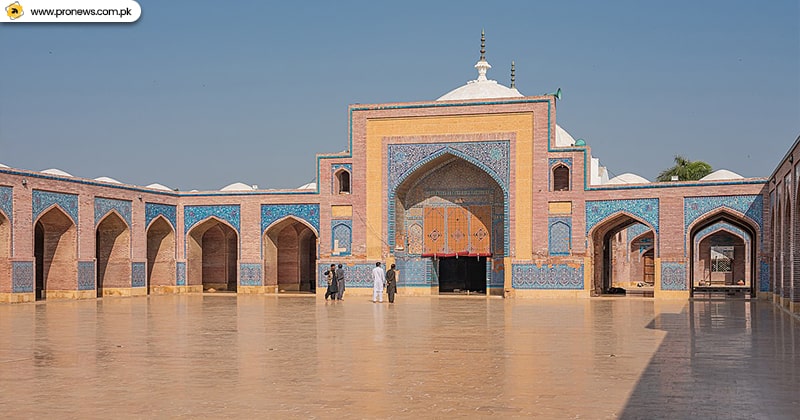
pixel 212 255
pixel 289 247
pixel 113 253
pixel 161 252
pixel 603 245
pixel 55 252
pixel 5 253
pixel 342 181
pixel 560 175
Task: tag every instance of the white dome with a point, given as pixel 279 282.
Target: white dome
pixel 628 178
pixel 3 166
pixel 107 179
pixel 563 139
pixel 54 171
pixel 237 186
pixel 721 174
pixel 157 186
pixel 480 89
pixel 309 186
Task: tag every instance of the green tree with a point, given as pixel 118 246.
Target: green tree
pixel 686 170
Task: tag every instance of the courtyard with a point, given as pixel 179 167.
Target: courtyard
pixel 227 355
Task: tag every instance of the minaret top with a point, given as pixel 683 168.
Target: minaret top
pixel 482 65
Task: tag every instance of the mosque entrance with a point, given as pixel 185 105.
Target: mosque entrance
pixel 624 252
pixel 112 250
pixel 213 256
pixel 462 275
pixel 290 256
pixel 55 252
pixel 722 257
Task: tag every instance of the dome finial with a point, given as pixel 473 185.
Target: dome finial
pixel 483 45
pixel 513 86
pixel 482 65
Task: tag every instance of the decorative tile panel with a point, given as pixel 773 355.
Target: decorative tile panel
pixel 180 273
pixel 138 274
pixel 414 272
pixel 498 274
pixel 7 202
pixel 22 276
pixel 153 210
pixel 634 231
pixel 673 276
pixel 250 274
pixel 86 275
pixel 750 205
pixel 559 235
pixel 341 237
pixel 547 276
pixel 644 208
pixel 553 161
pixel 271 213
pixel 104 205
pixel 716 227
pixel 42 200
pixel 194 214
pixel 763 277
pixel 356 276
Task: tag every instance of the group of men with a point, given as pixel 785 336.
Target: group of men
pixel 380 280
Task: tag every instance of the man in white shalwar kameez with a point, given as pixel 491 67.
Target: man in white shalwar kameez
pixel 378 277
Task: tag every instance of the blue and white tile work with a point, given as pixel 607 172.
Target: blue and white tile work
pixel 104 205
pixel 271 213
pixel 491 156
pixel 763 277
pixel 414 271
pixel 42 200
pixel 751 206
pixel 336 166
pixel 341 237
pixel 86 275
pixel 153 210
pixel 547 276
pixel 7 202
pixel 138 274
pixel 635 230
pixel 180 273
pixel 498 274
pixel 250 274
pixel 554 161
pixel 194 214
pixel 645 209
pixel 356 276
pixel 22 276
pixel 673 276
pixel 559 235
pixel 716 227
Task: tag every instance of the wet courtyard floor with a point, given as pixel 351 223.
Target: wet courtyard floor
pixel 212 356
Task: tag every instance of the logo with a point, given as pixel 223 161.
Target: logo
pixel 14 10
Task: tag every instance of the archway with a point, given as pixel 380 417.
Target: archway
pixel 213 255
pixel 160 254
pixel 113 253
pixel 290 256
pixel 450 212
pixel 786 251
pixel 723 254
pixel 55 252
pixel 618 260
pixel 5 254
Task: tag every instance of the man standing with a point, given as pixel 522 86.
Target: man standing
pixel 391 283
pixel 377 283
pixel 330 274
pixel 340 282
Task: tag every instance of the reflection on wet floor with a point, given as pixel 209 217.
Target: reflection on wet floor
pixel 267 356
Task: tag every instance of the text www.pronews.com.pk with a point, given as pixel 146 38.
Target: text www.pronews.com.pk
pixel 81 12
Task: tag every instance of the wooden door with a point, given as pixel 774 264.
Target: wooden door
pixel 649 272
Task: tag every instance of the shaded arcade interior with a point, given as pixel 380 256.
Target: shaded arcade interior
pixel 213 254
pixel 290 249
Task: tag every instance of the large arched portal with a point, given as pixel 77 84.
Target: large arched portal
pixel 290 255
pixel 623 250
pixel 55 251
pixel 723 255
pixel 451 212
pixel 113 253
pixel 5 254
pixel 213 255
pixel 160 254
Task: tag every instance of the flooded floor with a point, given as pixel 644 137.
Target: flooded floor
pixel 244 356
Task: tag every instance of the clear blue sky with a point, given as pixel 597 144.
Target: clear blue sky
pixel 202 94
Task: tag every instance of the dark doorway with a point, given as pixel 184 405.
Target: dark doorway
pixel 462 275
pixel 38 253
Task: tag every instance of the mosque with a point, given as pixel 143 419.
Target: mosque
pixel 477 192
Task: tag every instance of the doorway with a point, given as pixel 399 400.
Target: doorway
pixel 462 275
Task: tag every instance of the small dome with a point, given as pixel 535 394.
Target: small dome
pixel 480 89
pixel 237 186
pixel 3 166
pixel 54 171
pixel 157 186
pixel 628 178
pixel 107 179
pixel 580 142
pixel 309 186
pixel 563 139
pixel 721 174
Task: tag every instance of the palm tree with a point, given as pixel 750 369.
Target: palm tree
pixel 685 170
